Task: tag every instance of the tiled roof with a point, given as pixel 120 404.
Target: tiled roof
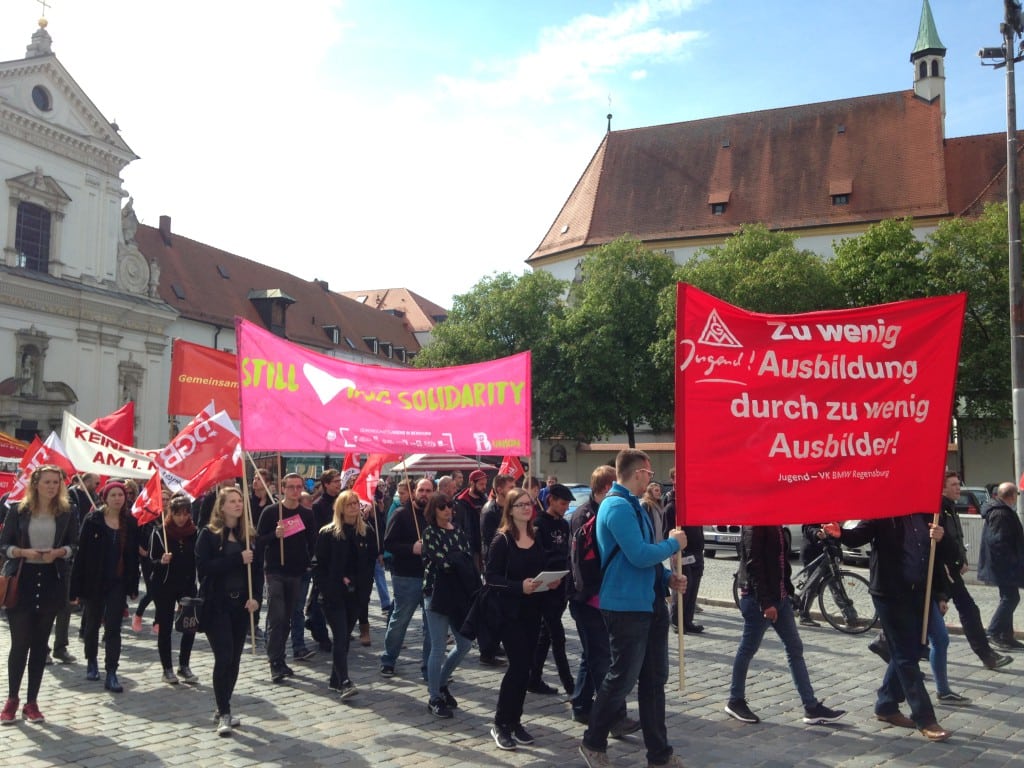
pixel 419 313
pixel 779 167
pixel 976 171
pixel 216 286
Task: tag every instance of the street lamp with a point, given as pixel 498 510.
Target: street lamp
pixel 1012 26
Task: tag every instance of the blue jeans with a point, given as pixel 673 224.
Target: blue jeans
pixel 1001 624
pixel 381 580
pixel 595 658
pixel 901 616
pixel 408 597
pixel 639 648
pixel 299 613
pixel 938 638
pixel 439 665
pixel 754 627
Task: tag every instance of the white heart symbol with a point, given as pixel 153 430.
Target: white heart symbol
pixel 324 384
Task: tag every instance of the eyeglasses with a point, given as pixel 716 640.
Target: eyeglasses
pixel 650 472
pixel 522 505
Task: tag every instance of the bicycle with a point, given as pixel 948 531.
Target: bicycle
pixel 844 597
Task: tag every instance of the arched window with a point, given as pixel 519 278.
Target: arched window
pixel 32 237
pixel 935 68
pixel 922 69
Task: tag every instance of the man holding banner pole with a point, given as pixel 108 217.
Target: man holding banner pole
pixel 902 559
pixel 286 526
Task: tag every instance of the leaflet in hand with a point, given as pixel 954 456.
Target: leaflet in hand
pixel 292 525
pixel 548 579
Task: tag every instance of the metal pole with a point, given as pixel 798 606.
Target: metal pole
pixel 1013 226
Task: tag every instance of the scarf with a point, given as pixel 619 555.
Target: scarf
pixel 181 532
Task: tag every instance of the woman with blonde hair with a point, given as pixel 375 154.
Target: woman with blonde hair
pixel 513 561
pixel 38 538
pixel 223 556
pixel 105 574
pixel 346 551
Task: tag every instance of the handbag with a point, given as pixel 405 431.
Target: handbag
pixel 9 588
pixel 487 608
pixel 186 618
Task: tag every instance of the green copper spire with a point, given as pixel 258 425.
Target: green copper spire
pixel 927 36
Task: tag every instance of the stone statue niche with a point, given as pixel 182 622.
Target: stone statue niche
pixel 29 371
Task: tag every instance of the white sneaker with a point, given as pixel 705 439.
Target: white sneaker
pixel 224 725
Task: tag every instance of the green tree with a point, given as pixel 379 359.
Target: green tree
pixel 607 341
pixel 502 315
pixel 888 263
pixel 757 269
pixel 762 271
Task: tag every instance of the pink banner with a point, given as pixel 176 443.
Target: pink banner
pixel 294 399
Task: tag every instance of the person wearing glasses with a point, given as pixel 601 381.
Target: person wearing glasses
pixel 450 579
pixel 287 569
pixel 174 577
pixel 514 559
pixel 632 600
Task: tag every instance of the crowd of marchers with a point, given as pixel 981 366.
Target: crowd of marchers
pixel 490 562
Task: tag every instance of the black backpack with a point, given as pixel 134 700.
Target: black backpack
pixel 585 559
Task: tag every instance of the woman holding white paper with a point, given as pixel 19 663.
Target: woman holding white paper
pixel 514 560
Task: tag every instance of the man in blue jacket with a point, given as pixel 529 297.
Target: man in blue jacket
pixel 632 602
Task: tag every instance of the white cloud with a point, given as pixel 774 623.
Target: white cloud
pixel 638 74
pixel 570 60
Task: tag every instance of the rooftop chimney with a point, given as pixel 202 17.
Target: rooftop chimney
pixel 165 230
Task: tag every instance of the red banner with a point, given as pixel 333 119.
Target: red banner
pixel 119 425
pixel 11 447
pixel 149 504
pixel 38 454
pixel 200 374
pixel 805 418
pixel 510 465
pixel 203 454
pixel 369 475
pixel 294 399
pixel 7 481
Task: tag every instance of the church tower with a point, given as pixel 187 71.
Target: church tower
pixel 929 61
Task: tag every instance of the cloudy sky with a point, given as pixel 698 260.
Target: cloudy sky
pixel 380 143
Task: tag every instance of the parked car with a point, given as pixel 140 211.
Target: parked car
pixel 580 492
pixel 727 537
pixel 972 499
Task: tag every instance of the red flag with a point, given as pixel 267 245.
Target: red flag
pixel 203 454
pixel 200 373
pixel 119 425
pixel 149 504
pixel 510 465
pixel 39 453
pixel 369 476
pixel 351 462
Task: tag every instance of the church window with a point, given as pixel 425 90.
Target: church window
pixel 922 69
pixel 935 68
pixel 41 98
pixel 32 237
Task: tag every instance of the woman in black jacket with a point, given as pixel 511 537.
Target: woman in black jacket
pixel 227 573
pixel 450 578
pixel 514 559
pixel 174 577
pixel 38 537
pixel 346 551
pixel 105 574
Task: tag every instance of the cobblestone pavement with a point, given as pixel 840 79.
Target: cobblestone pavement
pixel 299 723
